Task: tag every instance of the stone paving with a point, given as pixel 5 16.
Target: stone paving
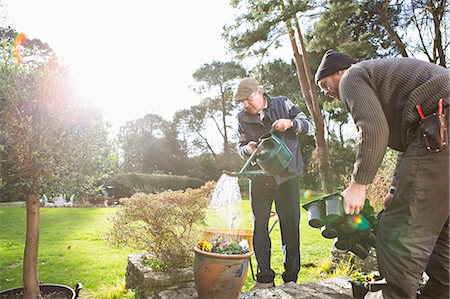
pixel 180 285
pixel 332 288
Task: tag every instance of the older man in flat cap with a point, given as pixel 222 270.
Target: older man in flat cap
pixel 401 103
pixel 260 113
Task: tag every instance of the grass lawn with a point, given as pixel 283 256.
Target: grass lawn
pixel 72 248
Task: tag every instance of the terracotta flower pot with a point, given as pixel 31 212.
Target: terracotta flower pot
pixel 219 276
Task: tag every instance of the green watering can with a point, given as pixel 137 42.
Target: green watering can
pixel 271 154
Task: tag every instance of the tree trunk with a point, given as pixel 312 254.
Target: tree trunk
pixel 392 34
pixel 438 13
pixel 324 159
pixel 314 111
pixel 208 145
pixel 30 274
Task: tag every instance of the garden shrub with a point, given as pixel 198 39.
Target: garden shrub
pixel 382 181
pixel 162 224
pixel 126 184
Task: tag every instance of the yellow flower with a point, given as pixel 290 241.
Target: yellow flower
pixel 205 246
pixel 369 277
pixel 208 247
pixel 355 275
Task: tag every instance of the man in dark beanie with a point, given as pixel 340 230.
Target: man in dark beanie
pixel 401 103
pixel 332 62
pixel 259 115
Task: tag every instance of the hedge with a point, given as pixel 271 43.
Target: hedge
pixel 127 184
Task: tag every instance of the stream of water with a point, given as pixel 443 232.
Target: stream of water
pixel 226 200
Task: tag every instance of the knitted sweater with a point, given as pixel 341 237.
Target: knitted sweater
pixel 381 96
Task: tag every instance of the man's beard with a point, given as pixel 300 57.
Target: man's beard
pixel 335 95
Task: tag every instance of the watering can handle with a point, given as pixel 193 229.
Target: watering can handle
pixel 251 158
pixel 273 131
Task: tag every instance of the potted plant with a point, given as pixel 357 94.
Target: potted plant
pixel 40 139
pixel 220 268
pixel 372 282
pixel 360 282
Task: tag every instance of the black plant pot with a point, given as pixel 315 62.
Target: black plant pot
pixel 316 213
pixel 360 250
pixel 65 291
pixel 334 208
pixel 358 290
pixel 344 242
pixel 329 232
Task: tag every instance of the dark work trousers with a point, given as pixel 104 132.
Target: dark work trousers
pixel 413 232
pixel 263 191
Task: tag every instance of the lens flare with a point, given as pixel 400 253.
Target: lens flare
pixel 360 222
pixel 307 194
pixel 19 41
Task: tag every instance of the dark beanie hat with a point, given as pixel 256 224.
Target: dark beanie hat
pixel 332 62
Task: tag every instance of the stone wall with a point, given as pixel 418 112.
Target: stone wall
pixel 155 284
pixel 367 265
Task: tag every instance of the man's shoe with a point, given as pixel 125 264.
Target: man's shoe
pixel 263 285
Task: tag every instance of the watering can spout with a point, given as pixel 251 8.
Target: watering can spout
pixel 244 173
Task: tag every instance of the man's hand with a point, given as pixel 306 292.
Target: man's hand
pixel 251 146
pixel 388 198
pixel 282 124
pixel 354 198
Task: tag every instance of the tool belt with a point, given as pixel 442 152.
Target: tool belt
pixel 434 129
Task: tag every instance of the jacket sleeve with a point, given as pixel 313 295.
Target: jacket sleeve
pixel 300 123
pixel 242 143
pixel 360 99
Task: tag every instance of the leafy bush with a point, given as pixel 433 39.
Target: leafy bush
pixel 162 224
pixel 380 185
pixel 127 184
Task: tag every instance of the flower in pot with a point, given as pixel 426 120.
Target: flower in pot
pixel 360 282
pixel 220 267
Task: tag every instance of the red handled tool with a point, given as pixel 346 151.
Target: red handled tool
pixel 419 109
pixel 440 107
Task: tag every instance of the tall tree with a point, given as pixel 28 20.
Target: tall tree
pixel 191 129
pixel 149 145
pixel 343 25
pixel 16 47
pixel 335 113
pixel 223 76
pixel 370 28
pixel 430 21
pixel 41 132
pixel 259 28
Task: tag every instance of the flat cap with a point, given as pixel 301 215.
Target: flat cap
pixel 245 88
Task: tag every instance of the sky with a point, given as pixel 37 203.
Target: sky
pixel 129 57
